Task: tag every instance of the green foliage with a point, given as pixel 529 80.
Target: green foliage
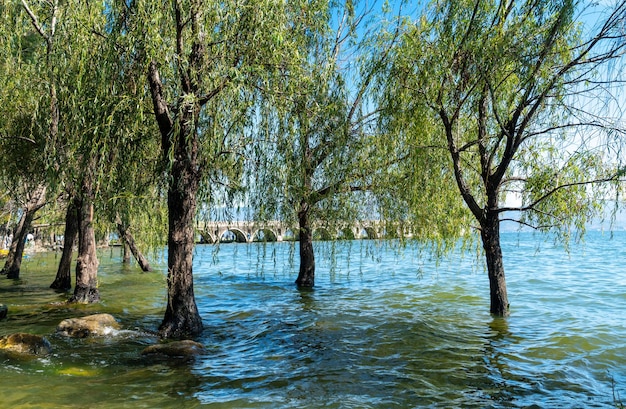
pixel 103 133
pixel 498 87
pixel 315 148
pixel 214 61
pixel 23 104
pixel 416 188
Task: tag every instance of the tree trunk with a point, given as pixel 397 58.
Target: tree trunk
pixel 129 242
pixel 16 251
pixel 306 275
pixel 86 290
pixel 182 318
pixel 63 280
pixel 125 252
pixel 490 235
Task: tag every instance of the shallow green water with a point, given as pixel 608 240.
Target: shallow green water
pixel 381 330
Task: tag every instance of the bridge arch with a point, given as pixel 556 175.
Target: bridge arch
pixel 345 233
pixel 322 233
pixel 233 234
pixel 368 232
pixel 249 231
pixel 206 237
pixel 290 235
pixel 264 235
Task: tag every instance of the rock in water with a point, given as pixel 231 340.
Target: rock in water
pixel 98 324
pixel 3 311
pixel 25 344
pixel 184 348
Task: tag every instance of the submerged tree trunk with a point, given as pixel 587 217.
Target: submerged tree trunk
pixel 63 280
pixel 129 242
pixel 16 251
pixel 86 290
pixel 306 275
pixel 490 235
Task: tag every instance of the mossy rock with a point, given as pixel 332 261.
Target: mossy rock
pixel 98 324
pixel 25 344
pixel 184 348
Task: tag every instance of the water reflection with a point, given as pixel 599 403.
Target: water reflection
pixel 306 299
pixel 497 340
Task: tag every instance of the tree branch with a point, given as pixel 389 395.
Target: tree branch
pixel 547 226
pixel 215 91
pixel 35 22
pixel 161 110
pixel 613 178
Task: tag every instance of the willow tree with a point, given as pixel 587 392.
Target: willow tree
pixel 22 176
pixel 42 49
pixel 29 114
pixel 85 120
pixel 21 166
pixel 106 155
pixel 132 198
pixel 128 241
pixel 201 60
pixel 134 202
pixel 316 156
pixel 115 158
pixel 521 94
pixel 74 150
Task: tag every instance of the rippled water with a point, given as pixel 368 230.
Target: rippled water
pixel 382 329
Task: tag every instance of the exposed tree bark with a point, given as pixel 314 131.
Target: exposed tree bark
pixel 182 318
pixel 306 275
pixel 129 243
pixel 125 253
pixel 86 290
pixel 490 235
pixel 16 251
pixel 63 280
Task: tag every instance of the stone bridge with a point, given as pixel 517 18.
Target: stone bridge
pixel 250 231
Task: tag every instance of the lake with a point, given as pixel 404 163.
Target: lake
pixel 383 328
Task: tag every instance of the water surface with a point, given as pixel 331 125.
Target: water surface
pixel 382 329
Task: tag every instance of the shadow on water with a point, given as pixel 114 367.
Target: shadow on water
pixel 497 340
pixel 306 299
